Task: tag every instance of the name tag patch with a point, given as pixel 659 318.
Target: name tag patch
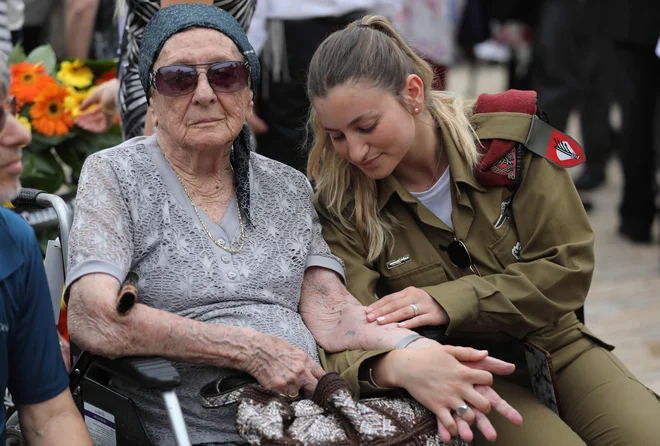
pixel 398 262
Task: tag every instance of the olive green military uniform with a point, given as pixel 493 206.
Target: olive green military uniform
pixel 536 271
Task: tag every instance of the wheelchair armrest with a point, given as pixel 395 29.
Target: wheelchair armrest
pixel 147 372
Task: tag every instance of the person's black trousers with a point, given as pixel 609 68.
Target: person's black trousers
pixel 638 88
pixel 286 107
pixel 572 70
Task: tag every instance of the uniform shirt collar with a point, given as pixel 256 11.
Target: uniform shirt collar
pixel 460 174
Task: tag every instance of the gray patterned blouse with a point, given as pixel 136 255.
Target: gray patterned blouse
pixel 133 214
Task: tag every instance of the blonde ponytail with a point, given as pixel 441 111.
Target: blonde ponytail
pixel 370 50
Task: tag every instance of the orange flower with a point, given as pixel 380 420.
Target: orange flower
pixel 107 76
pixel 48 114
pixel 28 80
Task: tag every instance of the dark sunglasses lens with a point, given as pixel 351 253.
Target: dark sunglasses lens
pixel 459 255
pixel 228 77
pixel 176 80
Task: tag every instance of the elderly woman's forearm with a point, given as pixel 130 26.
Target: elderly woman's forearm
pixel 337 320
pixel 96 326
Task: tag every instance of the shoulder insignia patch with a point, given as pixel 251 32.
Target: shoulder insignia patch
pixel 553 145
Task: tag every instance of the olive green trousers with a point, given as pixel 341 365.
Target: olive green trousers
pixel 602 404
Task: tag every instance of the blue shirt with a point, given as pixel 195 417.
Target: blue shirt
pixel 31 364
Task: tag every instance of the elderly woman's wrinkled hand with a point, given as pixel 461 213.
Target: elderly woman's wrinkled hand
pixel 279 366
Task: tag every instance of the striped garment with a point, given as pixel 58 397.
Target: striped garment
pixel 5 34
pixel 132 100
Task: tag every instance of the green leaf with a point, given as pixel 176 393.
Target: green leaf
pixel 25 111
pixel 36 147
pixel 46 55
pixel 42 171
pixel 88 143
pixel 75 151
pixel 115 129
pixel 102 66
pixel 71 157
pixel 41 142
pixel 17 55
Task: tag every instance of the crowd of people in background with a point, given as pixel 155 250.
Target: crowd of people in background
pixel 585 56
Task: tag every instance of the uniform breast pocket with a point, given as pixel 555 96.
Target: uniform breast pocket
pixel 417 276
pixel 507 248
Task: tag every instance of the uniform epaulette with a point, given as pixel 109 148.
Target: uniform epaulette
pixel 507 124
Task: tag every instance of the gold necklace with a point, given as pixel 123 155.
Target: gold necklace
pixel 218 244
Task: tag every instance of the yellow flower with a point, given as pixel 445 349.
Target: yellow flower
pixel 75 74
pixel 74 99
pixel 25 121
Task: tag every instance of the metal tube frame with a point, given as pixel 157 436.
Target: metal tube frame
pixel 64 218
pixel 176 418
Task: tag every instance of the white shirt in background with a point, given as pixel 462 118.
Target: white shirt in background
pixel 430 27
pixel 307 9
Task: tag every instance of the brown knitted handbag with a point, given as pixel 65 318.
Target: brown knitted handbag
pixel 332 418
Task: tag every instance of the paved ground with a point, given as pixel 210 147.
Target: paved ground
pixel 623 306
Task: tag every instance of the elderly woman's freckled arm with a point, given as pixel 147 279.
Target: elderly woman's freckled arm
pixel 336 318
pixel 97 327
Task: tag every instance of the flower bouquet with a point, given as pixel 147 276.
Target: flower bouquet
pixel 49 97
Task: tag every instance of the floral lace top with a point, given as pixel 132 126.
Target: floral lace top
pixel 132 214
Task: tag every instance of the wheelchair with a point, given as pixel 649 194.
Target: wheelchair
pixel 111 418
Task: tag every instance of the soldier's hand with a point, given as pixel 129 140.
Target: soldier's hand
pixel 411 307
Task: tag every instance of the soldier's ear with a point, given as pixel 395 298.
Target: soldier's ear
pixel 413 94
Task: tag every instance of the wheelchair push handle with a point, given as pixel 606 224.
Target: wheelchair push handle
pixel 31 198
pixel 28 198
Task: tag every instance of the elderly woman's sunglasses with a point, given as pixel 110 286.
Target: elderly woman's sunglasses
pixel 460 257
pixel 180 80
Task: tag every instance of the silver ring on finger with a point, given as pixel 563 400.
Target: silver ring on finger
pixel 462 410
pixel 292 397
pixel 415 309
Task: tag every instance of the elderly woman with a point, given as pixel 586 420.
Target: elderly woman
pixel 226 244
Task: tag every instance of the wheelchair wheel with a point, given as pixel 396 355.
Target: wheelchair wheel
pixel 14 436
